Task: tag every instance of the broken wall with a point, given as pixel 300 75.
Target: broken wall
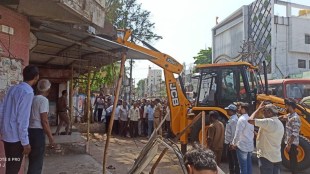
pixel 14 47
pixel 10 74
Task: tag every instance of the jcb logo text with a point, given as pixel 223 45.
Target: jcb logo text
pixel 174 94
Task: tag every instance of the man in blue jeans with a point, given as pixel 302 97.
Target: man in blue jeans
pixel 150 118
pixel 229 136
pixel 269 138
pixel 243 139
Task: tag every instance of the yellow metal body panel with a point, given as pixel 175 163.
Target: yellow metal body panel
pixel 225 64
pixel 177 100
pixel 179 104
pixel 221 110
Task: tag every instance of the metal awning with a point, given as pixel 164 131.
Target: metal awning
pixel 61 45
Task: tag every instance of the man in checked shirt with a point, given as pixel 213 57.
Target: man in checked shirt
pixel 291 137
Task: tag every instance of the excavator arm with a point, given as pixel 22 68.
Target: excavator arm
pixel 178 102
pixel 163 60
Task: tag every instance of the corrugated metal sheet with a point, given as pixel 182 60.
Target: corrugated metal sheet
pixel 61 45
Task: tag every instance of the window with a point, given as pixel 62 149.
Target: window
pixel 228 90
pixel 277 90
pixel 301 63
pixel 307 39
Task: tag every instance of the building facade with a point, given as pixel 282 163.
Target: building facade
pixel 266 30
pixel 153 83
pixel 20 23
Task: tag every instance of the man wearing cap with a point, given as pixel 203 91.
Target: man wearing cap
pixel 269 138
pixel 291 138
pixel 216 136
pixel 243 140
pixel 229 135
pixel 38 127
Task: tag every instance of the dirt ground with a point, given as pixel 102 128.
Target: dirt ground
pixel 123 151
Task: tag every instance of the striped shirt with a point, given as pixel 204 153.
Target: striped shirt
pixel 292 128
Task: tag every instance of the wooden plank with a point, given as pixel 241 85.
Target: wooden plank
pixel 118 87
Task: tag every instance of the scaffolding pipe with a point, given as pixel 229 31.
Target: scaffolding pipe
pixel 119 83
pixel 71 99
pixel 88 108
pixel 203 128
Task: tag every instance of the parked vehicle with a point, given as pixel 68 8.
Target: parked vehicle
pixel 290 88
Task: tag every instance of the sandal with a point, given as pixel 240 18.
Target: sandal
pixel 110 167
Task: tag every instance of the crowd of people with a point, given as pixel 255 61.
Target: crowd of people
pixel 137 118
pixel 24 123
pixel 239 137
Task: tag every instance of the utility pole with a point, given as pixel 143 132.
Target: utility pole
pixel 130 81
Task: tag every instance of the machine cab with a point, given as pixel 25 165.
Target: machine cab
pixel 221 84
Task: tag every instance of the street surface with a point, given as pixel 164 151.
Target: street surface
pixel 123 151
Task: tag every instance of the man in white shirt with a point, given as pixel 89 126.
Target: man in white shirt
pixel 123 118
pixel 243 140
pixel 115 128
pixel 168 126
pixel 38 124
pixel 134 114
pixel 269 138
pixel 229 136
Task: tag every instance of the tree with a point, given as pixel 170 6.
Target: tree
pixel 122 14
pixel 112 7
pixel 105 75
pixel 128 14
pixel 204 56
pixel 140 88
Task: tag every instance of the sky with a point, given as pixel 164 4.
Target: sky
pixel 186 27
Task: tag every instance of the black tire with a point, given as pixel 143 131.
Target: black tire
pixel 304 143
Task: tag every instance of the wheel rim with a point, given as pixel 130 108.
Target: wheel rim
pixel 200 135
pixel 300 155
